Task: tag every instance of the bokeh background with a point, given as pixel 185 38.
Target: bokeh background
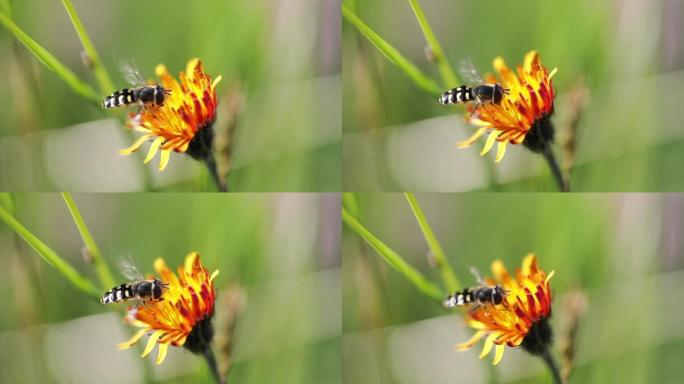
pixel 618 116
pixel 281 250
pixel 280 94
pixel 621 255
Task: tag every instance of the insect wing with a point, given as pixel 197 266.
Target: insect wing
pixel 132 75
pixel 129 270
pixel 469 73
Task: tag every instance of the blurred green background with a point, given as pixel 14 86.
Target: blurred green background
pixel 280 62
pixel 620 75
pixel 622 253
pixel 282 249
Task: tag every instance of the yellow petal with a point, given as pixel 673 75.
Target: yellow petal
pixel 490 142
pixel 489 343
pixel 474 339
pixel 135 146
pixel 132 340
pixel 498 355
pixel 153 149
pixel 163 348
pixel 164 159
pixel 216 81
pixel 151 342
pixel 216 272
pixel 553 72
pixel 190 260
pixel 501 150
pixel 468 142
pixel 550 276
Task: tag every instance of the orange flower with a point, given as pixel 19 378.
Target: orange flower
pixel 183 123
pixel 522 318
pixel 183 316
pixel 523 116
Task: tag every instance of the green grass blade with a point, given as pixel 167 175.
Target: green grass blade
pixel 106 279
pixel 350 203
pixel 446 71
pixel 50 61
pixel 397 262
pixel 7 202
pixel 51 257
pixel 396 58
pixel 448 275
pixel 101 74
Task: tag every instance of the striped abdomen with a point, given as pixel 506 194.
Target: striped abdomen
pixel 121 98
pixel 462 94
pixel 459 298
pixel 121 293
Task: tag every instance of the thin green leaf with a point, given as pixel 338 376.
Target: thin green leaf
pixel 350 203
pixel 448 275
pixel 106 279
pixel 396 58
pixel 397 262
pixel 101 74
pixel 51 257
pixel 446 71
pixel 7 202
pixel 50 61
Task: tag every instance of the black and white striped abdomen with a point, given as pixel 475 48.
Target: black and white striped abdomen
pixel 462 94
pixel 463 297
pixel 121 293
pixel 120 98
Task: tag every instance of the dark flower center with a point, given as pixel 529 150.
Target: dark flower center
pixel 199 339
pixel 200 147
pixel 540 136
pixel 539 337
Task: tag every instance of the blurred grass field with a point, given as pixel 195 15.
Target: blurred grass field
pixel 281 249
pixel 279 59
pixel 625 57
pixel 622 252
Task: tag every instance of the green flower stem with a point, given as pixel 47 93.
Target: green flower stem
pixel 397 262
pixel 446 71
pixel 6 202
pixel 350 203
pixel 106 279
pixel 103 79
pixel 51 257
pixel 396 58
pixel 50 61
pixel 448 275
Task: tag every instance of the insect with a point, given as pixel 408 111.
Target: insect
pixel 143 94
pixel 481 295
pixel 141 289
pixel 480 93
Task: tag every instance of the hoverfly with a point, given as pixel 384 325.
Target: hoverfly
pixel 144 94
pixel 480 92
pixel 141 289
pixel 484 294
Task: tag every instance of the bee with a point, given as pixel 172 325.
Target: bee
pixel 481 295
pixel 480 93
pixel 142 289
pixel 145 95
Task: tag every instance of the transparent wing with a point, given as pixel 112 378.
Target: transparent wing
pixel 129 270
pixel 476 273
pixel 132 75
pixel 468 72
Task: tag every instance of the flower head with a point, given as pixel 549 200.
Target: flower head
pixel 522 318
pixel 523 116
pixel 183 123
pixel 183 316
